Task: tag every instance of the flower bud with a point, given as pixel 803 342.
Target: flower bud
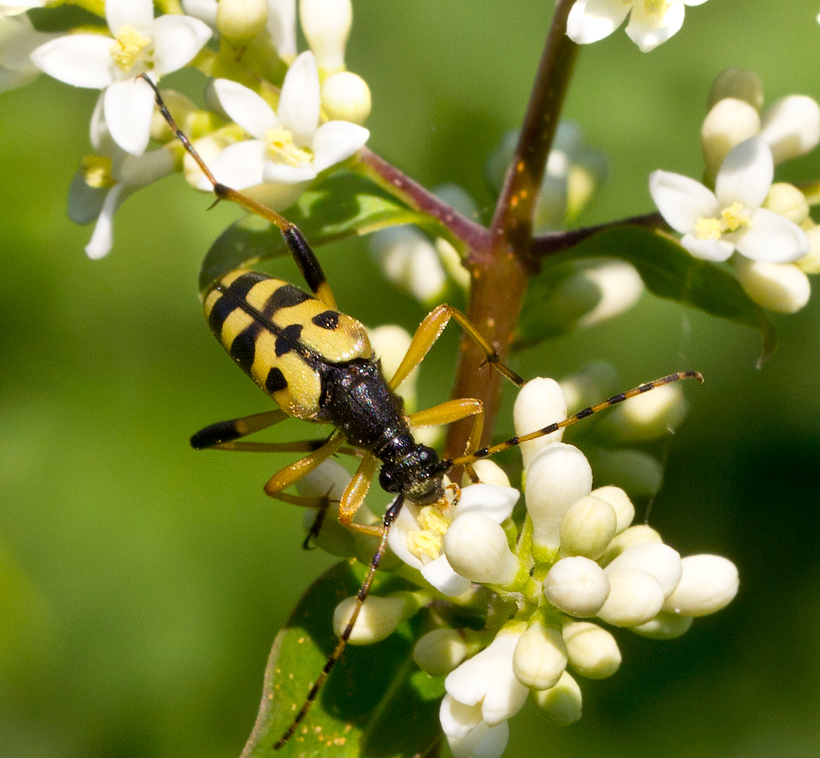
pixel 635 471
pixel 282 28
pixel 488 472
pixel 561 704
pixel 408 259
pixel 665 626
pixel 440 651
pixel 635 535
pixel 557 477
pixel 621 504
pixel 577 586
pixel 593 652
pixel 728 123
pixel 780 287
pixel 791 127
pixel 540 657
pixel 239 21
pixel 346 97
pixel 657 560
pixel 635 597
pixel 477 548
pixel 739 83
pixel 539 403
pixel 326 24
pixel 709 583
pixel 787 201
pixel 619 287
pixel 588 527
pixel 811 263
pixel 377 619
pixel 179 105
pixel 391 343
pixel 647 417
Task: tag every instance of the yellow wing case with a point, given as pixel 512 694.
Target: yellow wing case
pixel 283 338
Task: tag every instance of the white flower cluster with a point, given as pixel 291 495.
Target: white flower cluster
pixel 316 124
pixel 739 213
pixel 577 563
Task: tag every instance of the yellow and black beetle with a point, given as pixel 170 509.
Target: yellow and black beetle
pixel 318 365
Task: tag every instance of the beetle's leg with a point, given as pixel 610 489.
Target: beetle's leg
pixel 222 434
pixel 355 493
pixel 455 410
pixel 430 330
pixel 361 596
pixel 485 452
pixel 299 248
pixel 301 468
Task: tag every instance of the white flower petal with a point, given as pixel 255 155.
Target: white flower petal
pixel 648 29
pixel 490 499
pixel 299 102
pixel 443 577
pixel 136 13
pixel 83 60
pixel 592 20
pixel 458 719
pixel 708 250
pixel 791 127
pixel 746 174
pixel 282 27
pixel 336 141
pixel 103 237
pixel 177 39
pixel 128 107
pixel 240 165
pixel 681 200
pixel 397 538
pixel 483 741
pixel 282 173
pixel 204 10
pixel 771 237
pixel 244 106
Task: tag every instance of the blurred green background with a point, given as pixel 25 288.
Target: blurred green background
pixel 141 583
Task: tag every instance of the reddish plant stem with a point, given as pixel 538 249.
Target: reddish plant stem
pixel 500 272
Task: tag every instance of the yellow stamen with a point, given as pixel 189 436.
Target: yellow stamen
pixel 428 540
pixel 708 229
pixel 734 217
pixel 128 47
pixel 96 171
pixel 282 148
pixel 656 7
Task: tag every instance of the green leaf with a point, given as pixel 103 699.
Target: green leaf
pixel 376 701
pixel 667 270
pixel 343 205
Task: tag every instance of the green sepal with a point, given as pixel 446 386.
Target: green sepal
pixel 667 270
pixel 376 700
pixel 340 206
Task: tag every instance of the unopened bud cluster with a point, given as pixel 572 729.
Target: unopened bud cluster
pixel 558 585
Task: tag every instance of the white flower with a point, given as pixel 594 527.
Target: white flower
pixel 417 535
pixel 141 44
pixel 715 224
pixel 650 23
pixel 326 24
pixel 289 147
pixel 577 586
pixel 709 583
pixel 487 679
pixel 18 38
pixel 105 181
pixel 282 28
pixel 468 735
pixel 477 548
pixel 377 619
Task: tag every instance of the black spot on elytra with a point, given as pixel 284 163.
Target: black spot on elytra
pixel 276 381
pixel 327 320
pixel 243 348
pixel 285 297
pixel 288 340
